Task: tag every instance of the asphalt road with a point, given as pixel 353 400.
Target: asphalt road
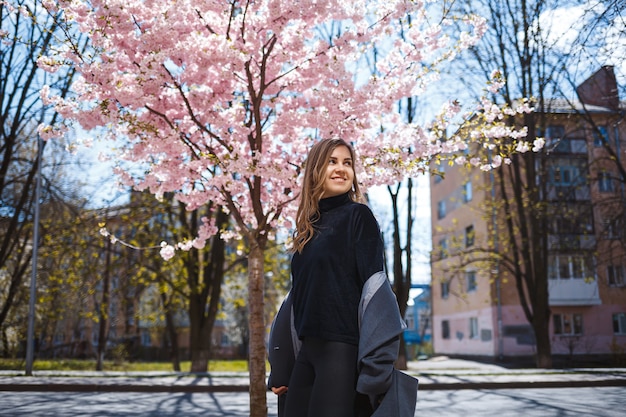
pixel 546 402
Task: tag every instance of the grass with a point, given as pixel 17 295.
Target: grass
pixel 90 365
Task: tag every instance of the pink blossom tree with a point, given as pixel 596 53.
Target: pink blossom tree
pixel 220 101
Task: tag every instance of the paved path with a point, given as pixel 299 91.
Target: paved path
pixel 544 402
pixel 439 373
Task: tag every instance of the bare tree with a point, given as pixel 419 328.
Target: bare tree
pixel 525 42
pixel 27 33
pixel 519 45
pixel 195 276
pixel 599 48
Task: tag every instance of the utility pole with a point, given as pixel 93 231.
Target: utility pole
pixel 30 343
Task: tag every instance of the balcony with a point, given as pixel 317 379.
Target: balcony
pixel 568 193
pixel 573 292
pixel 571 241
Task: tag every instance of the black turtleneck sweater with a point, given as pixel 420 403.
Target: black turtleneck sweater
pixel 329 274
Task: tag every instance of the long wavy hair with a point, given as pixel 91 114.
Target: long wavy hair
pixel 313 189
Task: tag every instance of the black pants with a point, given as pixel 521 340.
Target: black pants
pixel 323 381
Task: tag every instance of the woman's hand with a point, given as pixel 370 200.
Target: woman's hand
pixel 279 390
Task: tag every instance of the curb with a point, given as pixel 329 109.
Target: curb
pixel 121 388
pixel 522 385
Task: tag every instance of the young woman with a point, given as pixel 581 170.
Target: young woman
pixel 337 250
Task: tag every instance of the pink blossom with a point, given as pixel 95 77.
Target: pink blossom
pixel 167 251
pixel 538 144
pixel 522 147
pixel 223 107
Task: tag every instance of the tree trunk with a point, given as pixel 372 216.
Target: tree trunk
pixel 104 310
pixel 401 275
pixel 172 335
pixel 200 341
pixel 199 331
pixel 256 324
pixel 204 300
pixel 529 249
pixel 401 362
pixel 541 322
pixel 544 351
pixel 174 350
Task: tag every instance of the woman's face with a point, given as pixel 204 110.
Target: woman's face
pixel 339 173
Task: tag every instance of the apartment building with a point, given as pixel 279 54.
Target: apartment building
pixel 476 307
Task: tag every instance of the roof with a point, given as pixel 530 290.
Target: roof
pixel 564 106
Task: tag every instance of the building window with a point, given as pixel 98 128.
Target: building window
pixel 567 181
pixel 441 209
pixel 445 289
pixel 569 146
pixel 130 314
pixel 146 340
pixel 467 192
pixel 613 229
pixel 619 323
pixel 575 266
pixel 563 175
pixel 571 223
pixel 469 236
pixel 473 328
pixel 59 339
pixel 600 136
pixel 113 309
pixel 615 274
pixel 568 324
pixel 443 248
pixel 445 329
pixel 605 182
pixel 439 173
pixel 554 134
pixel 470 276
pixel 410 321
pixel 577 145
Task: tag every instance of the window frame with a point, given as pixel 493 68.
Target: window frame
pixel 443 248
pixel 619 324
pixel 441 209
pixel 613 228
pixel 146 338
pixel 445 329
pixel 470 235
pixel 471 283
pixel 613 279
pixel 467 192
pixel 445 289
pixel 573 263
pixel 600 136
pixel 572 321
pixel 473 328
pixel 441 171
pixel 605 182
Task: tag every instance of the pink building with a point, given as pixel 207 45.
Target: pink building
pixel 475 303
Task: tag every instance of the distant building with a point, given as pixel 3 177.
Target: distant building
pixel 477 311
pixel 135 325
pixel 418 317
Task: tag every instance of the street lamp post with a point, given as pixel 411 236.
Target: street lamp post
pixel 33 279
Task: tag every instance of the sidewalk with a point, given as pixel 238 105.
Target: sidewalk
pixel 443 373
pixel 439 373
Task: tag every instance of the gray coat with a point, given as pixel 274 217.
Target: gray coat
pixel 391 392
